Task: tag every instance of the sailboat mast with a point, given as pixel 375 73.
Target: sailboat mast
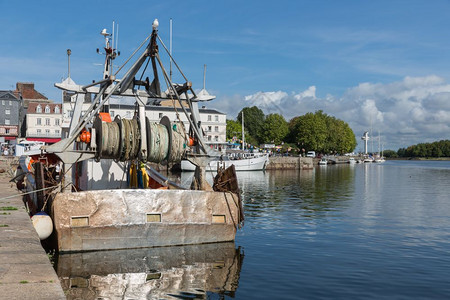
pixel 243 134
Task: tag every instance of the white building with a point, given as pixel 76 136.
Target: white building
pixel 43 122
pixel 213 122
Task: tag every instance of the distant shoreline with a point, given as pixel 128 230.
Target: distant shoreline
pixel 420 158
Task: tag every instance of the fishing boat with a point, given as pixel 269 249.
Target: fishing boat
pixel 96 187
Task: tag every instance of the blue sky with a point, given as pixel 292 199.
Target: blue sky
pixel 379 64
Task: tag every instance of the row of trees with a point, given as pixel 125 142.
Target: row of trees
pixel 312 131
pixel 435 149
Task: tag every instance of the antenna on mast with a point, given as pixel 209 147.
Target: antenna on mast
pixel 170 50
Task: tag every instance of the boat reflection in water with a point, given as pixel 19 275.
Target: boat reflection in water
pixel 153 273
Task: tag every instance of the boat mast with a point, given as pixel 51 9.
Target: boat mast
pixel 243 134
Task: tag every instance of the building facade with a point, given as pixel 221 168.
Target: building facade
pixel 43 122
pixel 27 94
pixel 9 116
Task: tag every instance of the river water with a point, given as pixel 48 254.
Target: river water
pixel 364 231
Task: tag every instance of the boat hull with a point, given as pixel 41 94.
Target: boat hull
pixel 123 219
pixel 251 164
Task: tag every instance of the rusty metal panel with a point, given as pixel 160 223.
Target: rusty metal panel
pixel 153 218
pixel 218 219
pixel 80 221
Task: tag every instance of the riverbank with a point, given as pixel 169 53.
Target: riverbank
pixel 290 163
pixel 420 158
pixel 25 269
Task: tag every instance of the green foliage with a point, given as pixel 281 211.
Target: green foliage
pixel 390 154
pixel 253 123
pixel 435 149
pixel 322 133
pixel 234 129
pixel 8 208
pixel 275 129
pixel 312 131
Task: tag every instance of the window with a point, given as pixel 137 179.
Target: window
pixel 38 131
pixel 47 109
pixel 209 128
pixel 216 128
pixel 57 131
pixel 3 102
pixel 216 138
pixel 10 102
pixel 38 121
pixel 47 121
pixel 209 118
pixel 209 138
pixel 7 111
pixel 39 109
pixel 111 113
pixel 70 113
pixel 57 111
pixel 217 118
pixel 7 122
pixel 47 131
pixel 7 129
pixel 57 122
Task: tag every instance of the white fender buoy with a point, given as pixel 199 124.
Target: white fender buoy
pixel 42 224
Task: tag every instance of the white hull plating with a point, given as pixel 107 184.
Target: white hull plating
pixel 248 164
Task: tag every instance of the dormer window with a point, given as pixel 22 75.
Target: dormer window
pixel 39 109
pixel 57 109
pixel 47 109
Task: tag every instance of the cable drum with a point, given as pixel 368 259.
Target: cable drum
pixel 176 140
pixel 131 138
pixel 158 142
pixel 107 139
pixel 178 145
pixel 136 145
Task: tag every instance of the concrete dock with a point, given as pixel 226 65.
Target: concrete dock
pixel 25 269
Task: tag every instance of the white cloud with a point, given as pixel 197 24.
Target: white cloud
pixel 309 93
pixel 405 112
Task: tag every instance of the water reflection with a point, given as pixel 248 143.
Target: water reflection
pixel 186 272
pixel 305 193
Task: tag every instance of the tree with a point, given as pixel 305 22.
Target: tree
pixel 234 129
pixel 390 154
pixel 435 149
pixel 322 133
pixel 275 129
pixel 310 131
pixel 253 123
